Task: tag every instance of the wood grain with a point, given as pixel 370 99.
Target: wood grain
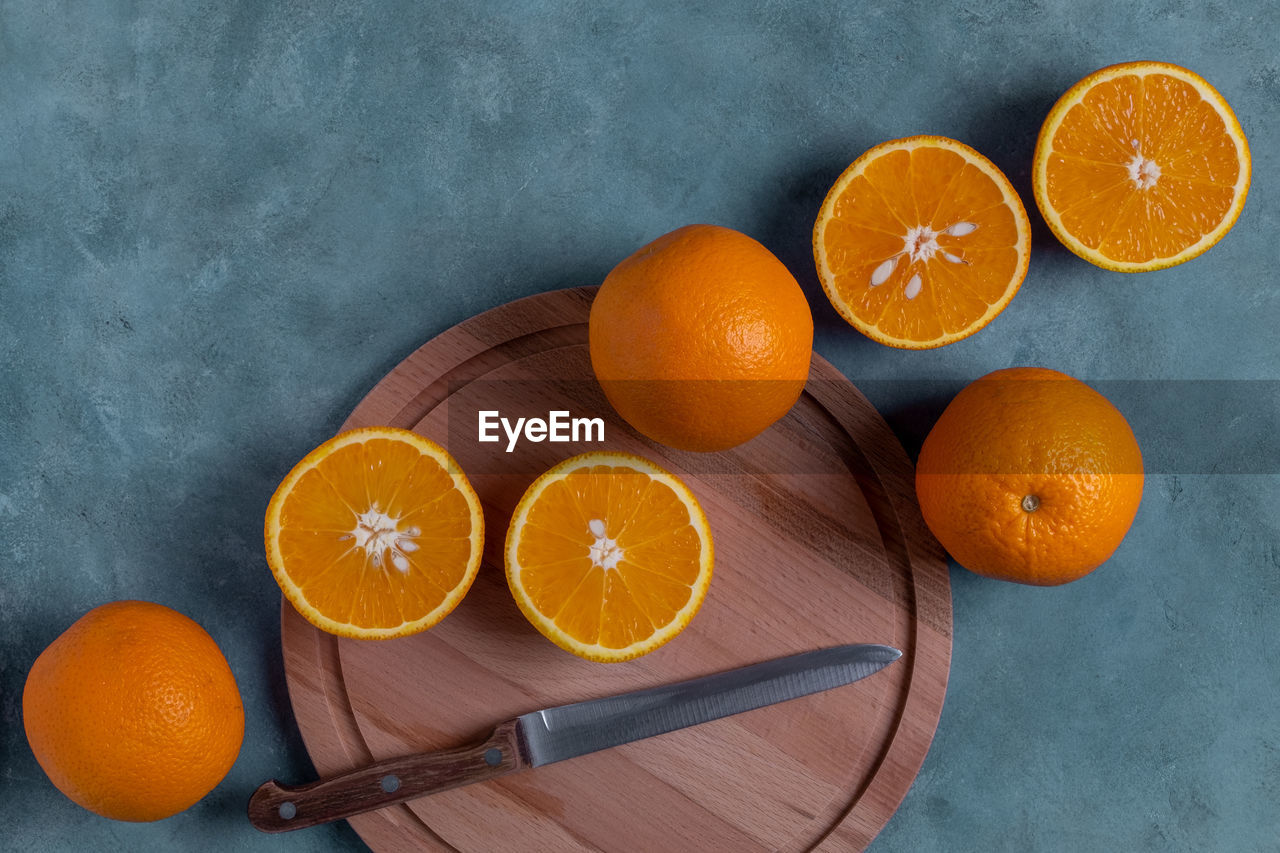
pixel 281 808
pixel 819 541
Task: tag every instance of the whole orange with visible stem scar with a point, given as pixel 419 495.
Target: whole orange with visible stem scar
pixel 701 339
pixel 1031 476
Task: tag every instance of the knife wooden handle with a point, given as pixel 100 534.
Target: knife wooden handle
pixel 280 808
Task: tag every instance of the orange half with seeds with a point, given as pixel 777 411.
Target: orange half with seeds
pixel 921 242
pixel 609 556
pixel 375 534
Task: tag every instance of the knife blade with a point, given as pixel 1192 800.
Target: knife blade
pixel 563 732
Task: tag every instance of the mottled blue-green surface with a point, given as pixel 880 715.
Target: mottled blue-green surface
pixel 222 222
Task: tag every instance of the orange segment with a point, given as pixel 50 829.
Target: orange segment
pixel 609 556
pixel 921 242
pixel 1141 166
pixel 375 534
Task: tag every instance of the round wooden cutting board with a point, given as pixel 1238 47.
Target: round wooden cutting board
pixel 818 542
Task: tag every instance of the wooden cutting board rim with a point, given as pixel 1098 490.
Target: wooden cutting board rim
pixel 419 388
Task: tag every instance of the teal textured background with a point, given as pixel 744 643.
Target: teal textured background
pixel 222 223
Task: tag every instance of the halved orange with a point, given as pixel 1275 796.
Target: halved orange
pixel 609 555
pixel 921 242
pixel 375 534
pixel 1141 166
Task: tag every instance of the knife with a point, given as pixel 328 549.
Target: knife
pixel 567 731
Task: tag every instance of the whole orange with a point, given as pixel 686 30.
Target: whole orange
pixel 133 711
pixel 1030 475
pixel 701 339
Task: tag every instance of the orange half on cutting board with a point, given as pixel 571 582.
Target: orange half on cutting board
pixel 609 556
pixel 1141 166
pixel 921 242
pixel 375 534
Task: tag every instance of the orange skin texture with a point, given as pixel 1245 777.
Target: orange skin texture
pixel 701 339
pixel 1021 432
pixel 133 712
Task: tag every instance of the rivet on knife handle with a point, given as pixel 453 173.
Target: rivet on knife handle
pixel 279 808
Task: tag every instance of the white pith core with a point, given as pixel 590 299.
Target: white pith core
pixel 1143 172
pixel 920 245
pixel 605 553
pixel 382 540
